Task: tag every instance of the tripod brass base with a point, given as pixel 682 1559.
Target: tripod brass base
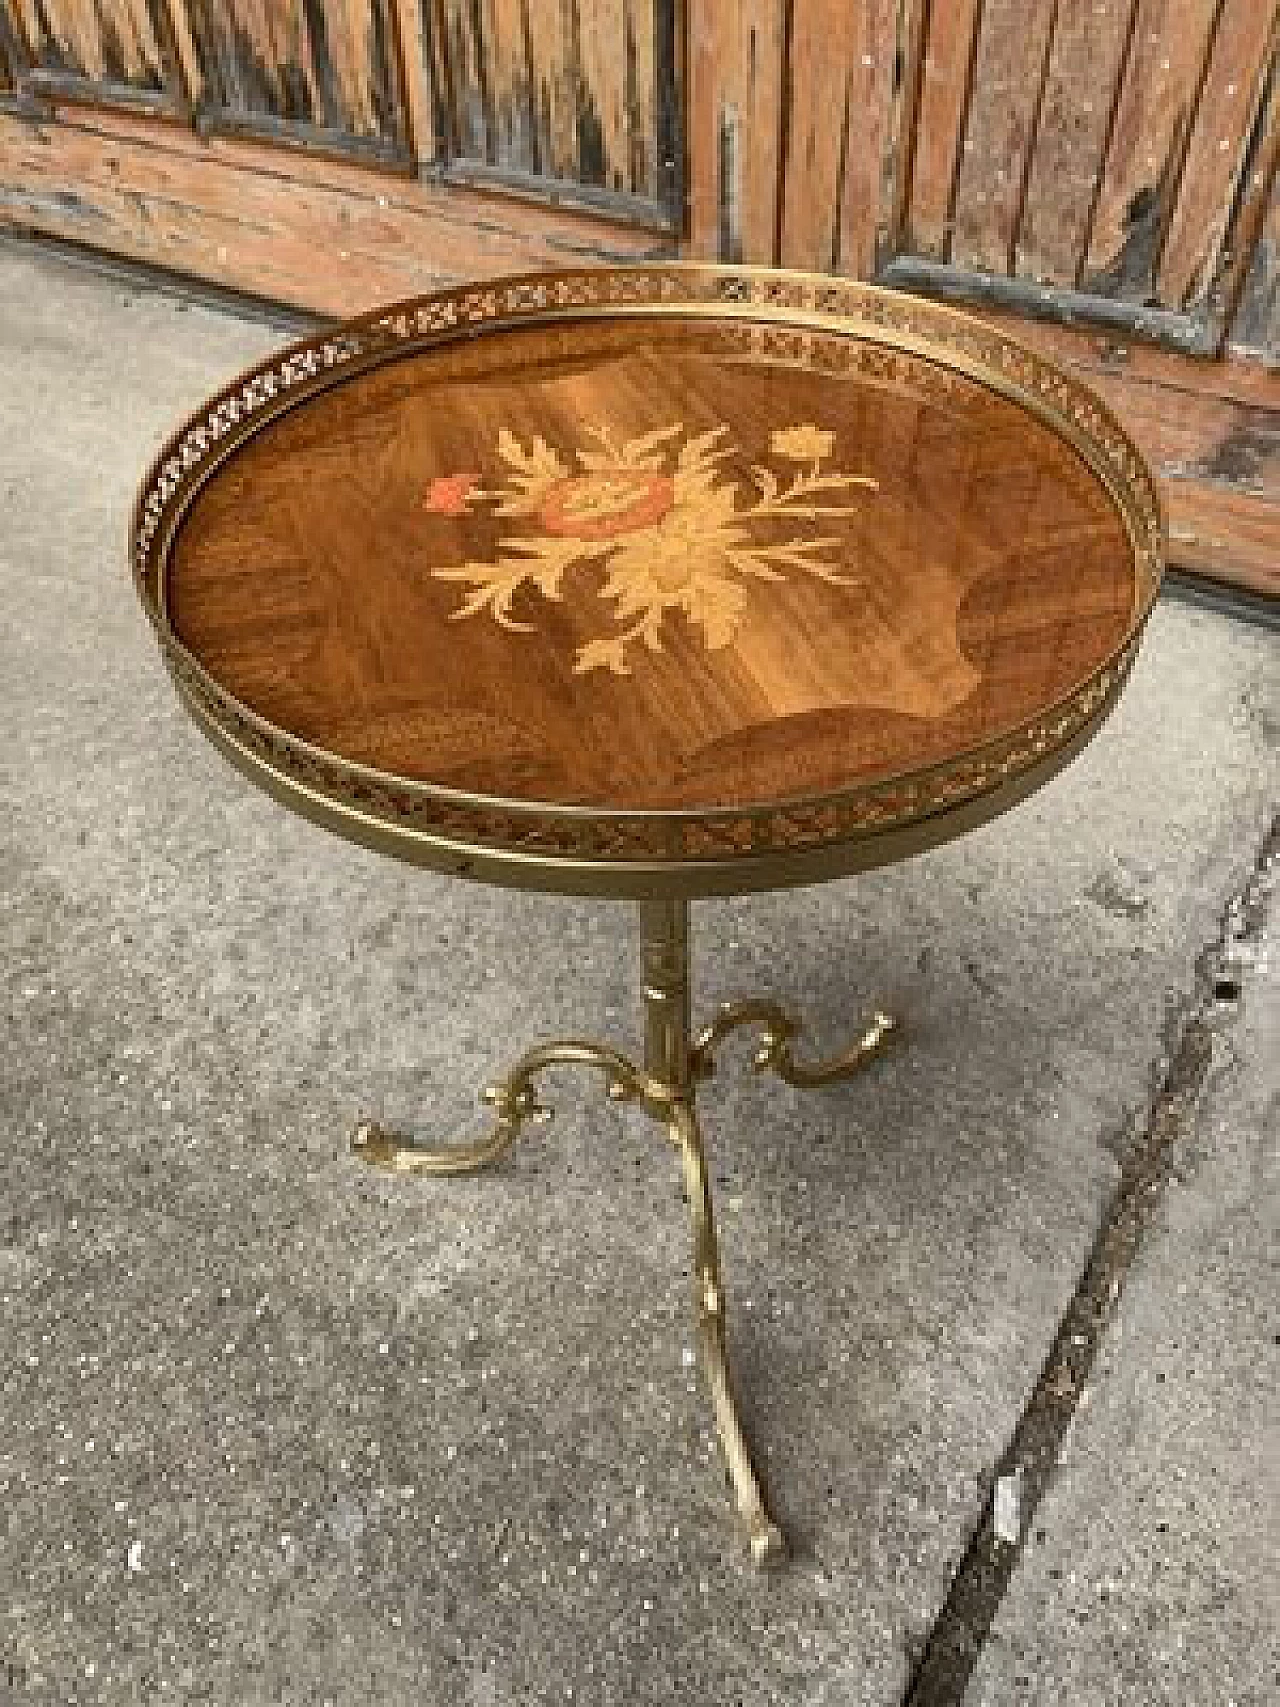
pixel 675 1062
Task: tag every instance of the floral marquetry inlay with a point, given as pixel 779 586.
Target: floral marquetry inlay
pixel 671 529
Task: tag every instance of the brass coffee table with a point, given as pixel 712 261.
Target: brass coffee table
pixel 651 583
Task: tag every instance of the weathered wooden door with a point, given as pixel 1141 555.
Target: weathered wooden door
pixel 334 152
pixel 1102 170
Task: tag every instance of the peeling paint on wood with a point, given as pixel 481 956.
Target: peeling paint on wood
pixel 1086 62
pixel 567 90
pixel 316 233
pixel 1234 91
pixel 1256 328
pixel 107 42
pixel 1004 108
pixel 15 58
pixel 735 123
pixel 411 50
pixel 841 78
pixel 1142 170
pixel 323 65
pixel 945 81
pixel 12 58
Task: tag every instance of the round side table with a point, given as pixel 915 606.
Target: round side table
pixel 651 583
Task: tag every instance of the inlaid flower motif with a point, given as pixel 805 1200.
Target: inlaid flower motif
pixel 664 523
pixel 805 443
pixel 447 495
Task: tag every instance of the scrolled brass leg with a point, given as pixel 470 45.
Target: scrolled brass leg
pixel 774 1053
pixel 515 1104
pixel 764 1536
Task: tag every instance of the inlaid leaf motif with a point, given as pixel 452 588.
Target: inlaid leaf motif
pixel 673 532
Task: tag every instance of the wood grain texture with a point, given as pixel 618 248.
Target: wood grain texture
pixel 13 53
pixel 317 233
pixel 949 52
pixel 1235 89
pixel 1256 327
pixel 805 637
pixel 1224 535
pixel 1004 107
pixel 1086 60
pixel 1210 431
pixel 413 54
pixel 1142 171
pixel 562 90
pixel 840 78
pixel 1230 293
pixel 735 128
pixel 328 66
pixel 111 42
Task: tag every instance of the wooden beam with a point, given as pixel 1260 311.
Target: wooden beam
pixel 316 233
pixel 1211 432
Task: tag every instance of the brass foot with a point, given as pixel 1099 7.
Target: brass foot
pixel 764 1537
pixel 773 1052
pixel 515 1104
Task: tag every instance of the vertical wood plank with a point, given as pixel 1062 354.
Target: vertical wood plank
pixel 1004 106
pixel 559 88
pixel 509 37
pixel 1143 164
pixel 1247 267
pixel 327 64
pixel 815 151
pixel 1255 329
pixel 1086 62
pixel 108 41
pixel 516 30
pixel 840 78
pixel 466 61
pixel 13 53
pixel 184 48
pixel 898 162
pixel 643 102
pixel 604 137
pixel 1234 89
pixel 413 60
pixel 558 50
pixel 949 53
pixel 735 121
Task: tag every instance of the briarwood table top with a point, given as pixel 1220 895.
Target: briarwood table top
pixel 659 580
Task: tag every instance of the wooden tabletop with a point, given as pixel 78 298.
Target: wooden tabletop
pixel 680 564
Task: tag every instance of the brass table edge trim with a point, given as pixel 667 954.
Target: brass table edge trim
pixel 259 396
pixel 640 879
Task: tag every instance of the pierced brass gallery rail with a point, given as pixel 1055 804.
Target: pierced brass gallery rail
pixel 674 1064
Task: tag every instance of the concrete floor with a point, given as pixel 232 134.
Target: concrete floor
pixel 275 1429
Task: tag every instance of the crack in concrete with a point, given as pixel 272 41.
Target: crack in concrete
pixel 950 1651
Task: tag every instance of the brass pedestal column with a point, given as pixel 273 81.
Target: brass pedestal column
pixel 675 1062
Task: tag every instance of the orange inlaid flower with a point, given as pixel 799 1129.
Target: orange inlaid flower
pixel 602 506
pixel 447 495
